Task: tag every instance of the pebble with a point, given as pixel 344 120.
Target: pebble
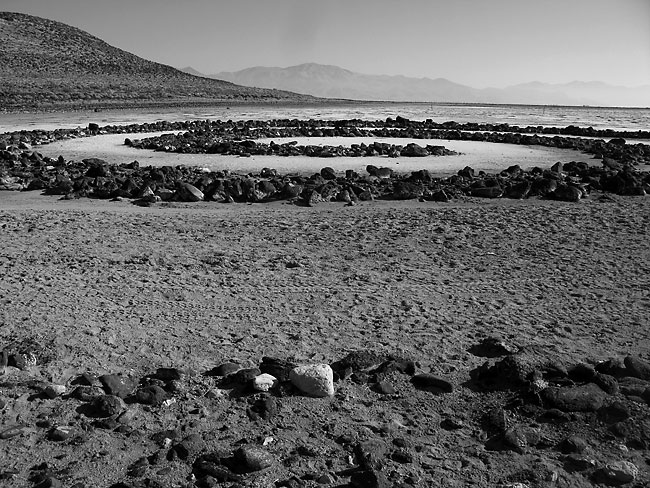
pixel 253 458
pixel 370 454
pixel 53 391
pixel 241 377
pixel 264 382
pixel 574 444
pixel 384 388
pixel 189 446
pixel 117 385
pixel 12 431
pixel 151 395
pixel 60 433
pixel 315 380
pixel 520 437
pixel 107 405
pixel 86 393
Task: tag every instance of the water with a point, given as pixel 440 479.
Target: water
pixel 629 119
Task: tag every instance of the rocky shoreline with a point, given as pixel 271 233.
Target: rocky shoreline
pixel 23 168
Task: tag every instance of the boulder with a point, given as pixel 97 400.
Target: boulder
pixel 567 193
pixel 413 150
pixel 315 380
pixel 186 192
pixel 584 398
pixel 404 190
pixel 487 192
pixel 637 368
pixel 328 173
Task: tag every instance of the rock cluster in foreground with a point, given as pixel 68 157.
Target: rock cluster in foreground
pixel 532 421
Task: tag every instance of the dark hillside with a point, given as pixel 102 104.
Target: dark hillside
pixel 46 64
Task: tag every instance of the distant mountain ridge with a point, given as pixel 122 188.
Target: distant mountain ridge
pixel 47 64
pixel 335 82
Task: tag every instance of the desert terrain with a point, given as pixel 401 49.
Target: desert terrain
pixel 93 287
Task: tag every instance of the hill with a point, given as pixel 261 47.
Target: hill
pixel 46 64
pixel 333 81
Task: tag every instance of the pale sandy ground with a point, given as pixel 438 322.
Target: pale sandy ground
pixel 485 156
pixel 94 274
pixel 109 287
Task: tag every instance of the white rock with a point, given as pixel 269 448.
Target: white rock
pixel 53 391
pixel 314 379
pixel 264 382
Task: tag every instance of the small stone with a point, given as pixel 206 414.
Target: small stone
pixel 12 431
pixel 452 424
pixel 87 393
pixel 264 382
pixel 53 391
pixel 430 382
pixel 325 479
pixel 384 388
pixel 402 456
pixel 60 433
pixel 241 378
pixel 117 385
pixel 251 458
pixel 576 462
pixel 107 406
pixel 370 454
pixel 573 444
pixel 189 446
pixel 138 468
pixel 316 380
pixel 210 465
pixel 151 395
pixel 618 472
pixel 520 437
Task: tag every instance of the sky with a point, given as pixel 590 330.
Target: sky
pixel 479 43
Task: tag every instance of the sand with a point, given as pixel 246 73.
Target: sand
pixel 482 156
pixel 110 287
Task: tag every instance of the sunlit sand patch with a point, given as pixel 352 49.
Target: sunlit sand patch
pixel 482 156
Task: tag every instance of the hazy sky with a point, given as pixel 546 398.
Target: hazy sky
pixel 474 42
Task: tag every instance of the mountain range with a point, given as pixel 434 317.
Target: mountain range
pixel 49 65
pixel 335 82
